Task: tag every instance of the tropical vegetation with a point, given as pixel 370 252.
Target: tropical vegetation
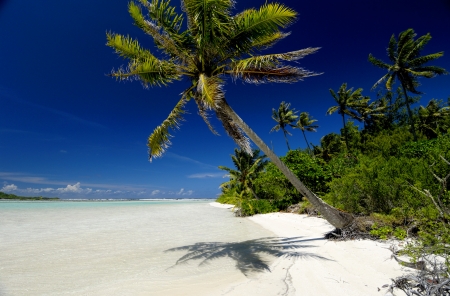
pixel 9 196
pixel 390 165
pixel 407 66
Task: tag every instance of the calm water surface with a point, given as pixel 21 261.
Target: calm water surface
pixel 116 248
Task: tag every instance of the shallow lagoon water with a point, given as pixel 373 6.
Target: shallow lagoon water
pixel 117 247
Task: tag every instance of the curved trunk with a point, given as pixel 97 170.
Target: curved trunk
pixel 287 143
pixel 335 217
pixel 411 120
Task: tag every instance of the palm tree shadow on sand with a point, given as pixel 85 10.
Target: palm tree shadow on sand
pixel 248 255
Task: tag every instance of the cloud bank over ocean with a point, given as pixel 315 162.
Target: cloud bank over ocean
pixel 77 191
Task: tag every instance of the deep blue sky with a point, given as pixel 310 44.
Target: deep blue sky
pixel 68 130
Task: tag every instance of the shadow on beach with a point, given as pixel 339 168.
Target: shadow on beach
pixel 248 255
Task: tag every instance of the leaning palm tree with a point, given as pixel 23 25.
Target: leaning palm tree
pixel 284 117
pixel 346 100
pixel 247 168
pixel 306 123
pixel 214 45
pixel 407 65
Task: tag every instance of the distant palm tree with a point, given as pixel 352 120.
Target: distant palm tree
pixel 431 119
pixel 407 65
pixel 305 123
pixel 203 46
pixel 248 166
pixel 284 117
pixel 347 100
pixel 369 112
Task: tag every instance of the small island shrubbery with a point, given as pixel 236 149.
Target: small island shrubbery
pixel 15 197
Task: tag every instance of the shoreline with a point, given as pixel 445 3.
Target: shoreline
pixel 321 267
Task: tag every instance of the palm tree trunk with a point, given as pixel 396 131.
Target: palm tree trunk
pixel 287 143
pixel 253 193
pixel 345 133
pixel 306 140
pixel 411 120
pixel 335 217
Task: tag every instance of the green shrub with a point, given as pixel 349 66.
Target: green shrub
pixel 251 207
pixel 383 232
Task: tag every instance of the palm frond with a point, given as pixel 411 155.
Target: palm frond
pixel 209 21
pixel 285 74
pixel 164 14
pixel 390 81
pixel 419 44
pixel 127 47
pixel 417 62
pixel 150 71
pixel 404 38
pixel 426 74
pixel 391 49
pixel 268 40
pixel 381 80
pixel 268 18
pixel 166 36
pixel 271 60
pixel 333 109
pixel 159 140
pixel 378 63
pixel 203 112
pixel 252 25
pixel 210 90
pixel 436 70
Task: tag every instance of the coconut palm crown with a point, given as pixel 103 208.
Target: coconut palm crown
pixel 347 102
pixel 204 45
pixel 216 44
pixel 284 116
pixel 407 65
pixel 306 123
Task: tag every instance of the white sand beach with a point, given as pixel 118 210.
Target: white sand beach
pixel 323 267
pixel 180 248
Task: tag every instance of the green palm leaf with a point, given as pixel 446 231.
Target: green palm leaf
pixel 159 140
pixel 164 31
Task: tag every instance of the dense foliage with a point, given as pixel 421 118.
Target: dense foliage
pixel 15 197
pixel 389 166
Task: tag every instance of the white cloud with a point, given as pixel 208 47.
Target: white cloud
pixel 9 188
pixel 182 192
pixel 77 191
pixel 205 175
pixel 71 188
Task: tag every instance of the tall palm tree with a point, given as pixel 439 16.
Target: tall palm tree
pixel 248 166
pixel 216 44
pixel 407 65
pixel 284 117
pixel 306 123
pixel 346 100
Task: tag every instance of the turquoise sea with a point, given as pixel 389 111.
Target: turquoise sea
pixel 121 247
